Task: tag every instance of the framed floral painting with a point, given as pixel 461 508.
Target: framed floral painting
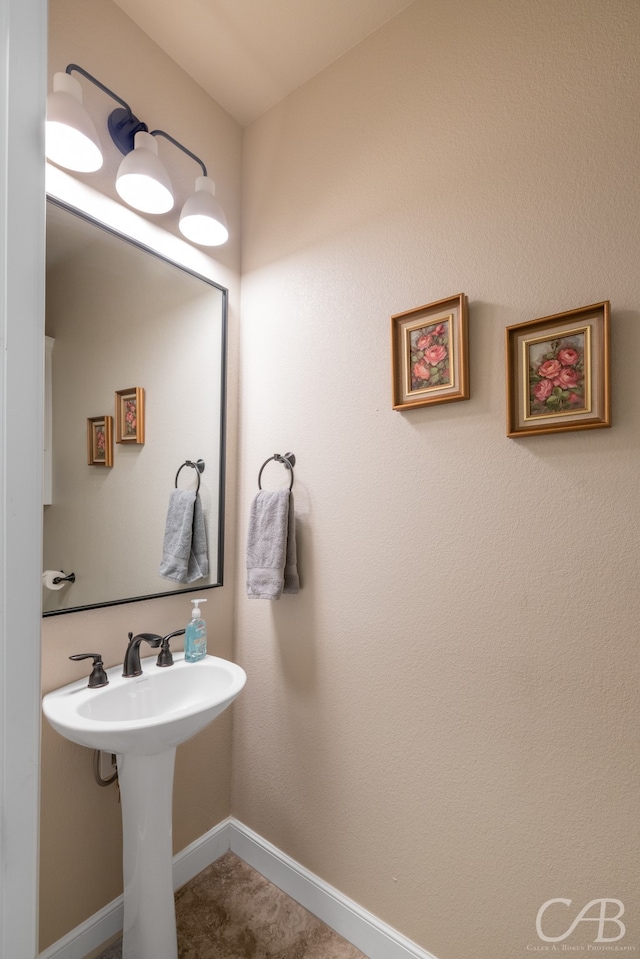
pixel 100 441
pixel 429 354
pixel 130 415
pixel 558 372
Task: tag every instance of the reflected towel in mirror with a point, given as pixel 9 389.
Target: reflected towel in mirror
pixel 184 552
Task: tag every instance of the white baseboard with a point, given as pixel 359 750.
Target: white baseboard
pixel 365 931
pixel 89 935
pixel 194 858
pixel 374 938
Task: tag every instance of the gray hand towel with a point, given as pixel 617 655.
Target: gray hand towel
pixel 184 552
pixel 291 580
pixel 271 545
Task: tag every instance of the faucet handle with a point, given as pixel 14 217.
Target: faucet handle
pixel 98 675
pixel 165 656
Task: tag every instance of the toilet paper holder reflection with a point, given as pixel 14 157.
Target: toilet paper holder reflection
pixel 70 578
pixel 57 578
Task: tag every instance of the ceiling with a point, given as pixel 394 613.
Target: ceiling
pixel 250 54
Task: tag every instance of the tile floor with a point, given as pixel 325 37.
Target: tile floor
pixel 230 911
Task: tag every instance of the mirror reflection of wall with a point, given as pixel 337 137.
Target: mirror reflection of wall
pixel 123 317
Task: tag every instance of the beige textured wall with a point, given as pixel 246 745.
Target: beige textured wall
pixel 81 867
pixel 443 723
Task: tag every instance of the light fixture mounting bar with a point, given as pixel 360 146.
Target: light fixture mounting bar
pixel 176 143
pixel 114 96
pixel 123 124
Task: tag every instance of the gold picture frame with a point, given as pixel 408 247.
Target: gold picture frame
pixel 429 354
pixel 100 440
pixel 558 372
pixel 130 415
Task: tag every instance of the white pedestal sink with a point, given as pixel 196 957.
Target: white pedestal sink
pixel 142 720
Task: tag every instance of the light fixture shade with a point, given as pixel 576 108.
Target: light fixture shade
pixel 142 180
pixel 202 220
pixel 71 138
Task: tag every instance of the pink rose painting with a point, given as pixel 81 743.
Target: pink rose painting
pixel 130 417
pixel 100 442
pixel 430 356
pixel 557 375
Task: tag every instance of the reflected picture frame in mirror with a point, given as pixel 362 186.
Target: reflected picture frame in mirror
pixel 100 441
pixel 130 415
pixel 121 311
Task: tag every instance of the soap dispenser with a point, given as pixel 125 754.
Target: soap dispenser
pixel 195 641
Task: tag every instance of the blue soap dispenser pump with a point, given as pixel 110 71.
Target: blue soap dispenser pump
pixel 195 640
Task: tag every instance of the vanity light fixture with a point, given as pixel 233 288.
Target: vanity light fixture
pixel 72 139
pixel 202 220
pixel 142 180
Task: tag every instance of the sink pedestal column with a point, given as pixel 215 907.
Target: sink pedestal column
pixel 146 790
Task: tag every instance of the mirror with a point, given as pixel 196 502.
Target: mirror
pixel 121 318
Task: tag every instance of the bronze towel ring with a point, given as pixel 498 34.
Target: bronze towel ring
pixel 198 466
pixel 288 460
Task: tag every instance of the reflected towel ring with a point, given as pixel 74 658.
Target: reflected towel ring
pixel 288 460
pixel 198 466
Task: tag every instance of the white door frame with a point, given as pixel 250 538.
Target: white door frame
pixel 23 59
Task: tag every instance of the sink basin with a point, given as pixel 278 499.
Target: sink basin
pixel 147 714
